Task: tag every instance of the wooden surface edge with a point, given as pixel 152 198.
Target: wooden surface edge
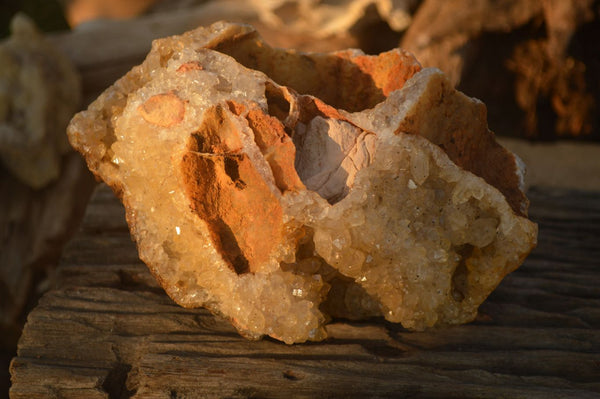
pixel 107 330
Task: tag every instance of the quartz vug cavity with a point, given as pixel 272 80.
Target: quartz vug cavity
pixel 280 189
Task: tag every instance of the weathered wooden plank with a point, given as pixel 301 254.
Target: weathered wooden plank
pixel 108 330
pixel 74 382
pixel 299 378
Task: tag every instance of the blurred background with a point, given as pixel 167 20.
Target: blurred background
pixel 534 63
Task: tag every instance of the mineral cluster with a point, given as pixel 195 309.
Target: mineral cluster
pixel 39 92
pixel 280 189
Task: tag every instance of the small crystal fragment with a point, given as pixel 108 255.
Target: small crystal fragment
pixel 164 110
pixel 307 186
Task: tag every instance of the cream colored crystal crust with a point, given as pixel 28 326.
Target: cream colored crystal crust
pixel 280 189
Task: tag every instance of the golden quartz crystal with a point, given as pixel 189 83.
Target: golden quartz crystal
pixel 280 189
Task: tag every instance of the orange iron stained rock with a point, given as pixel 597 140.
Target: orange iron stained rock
pixel 282 189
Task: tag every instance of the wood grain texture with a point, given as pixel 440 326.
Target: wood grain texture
pixel 108 331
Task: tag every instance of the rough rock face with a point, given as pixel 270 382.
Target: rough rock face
pixel 39 92
pixel 535 63
pixel 280 189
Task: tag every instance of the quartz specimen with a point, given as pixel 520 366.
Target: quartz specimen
pixel 280 189
pixel 39 92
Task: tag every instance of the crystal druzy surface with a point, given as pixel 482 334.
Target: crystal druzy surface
pixel 280 189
